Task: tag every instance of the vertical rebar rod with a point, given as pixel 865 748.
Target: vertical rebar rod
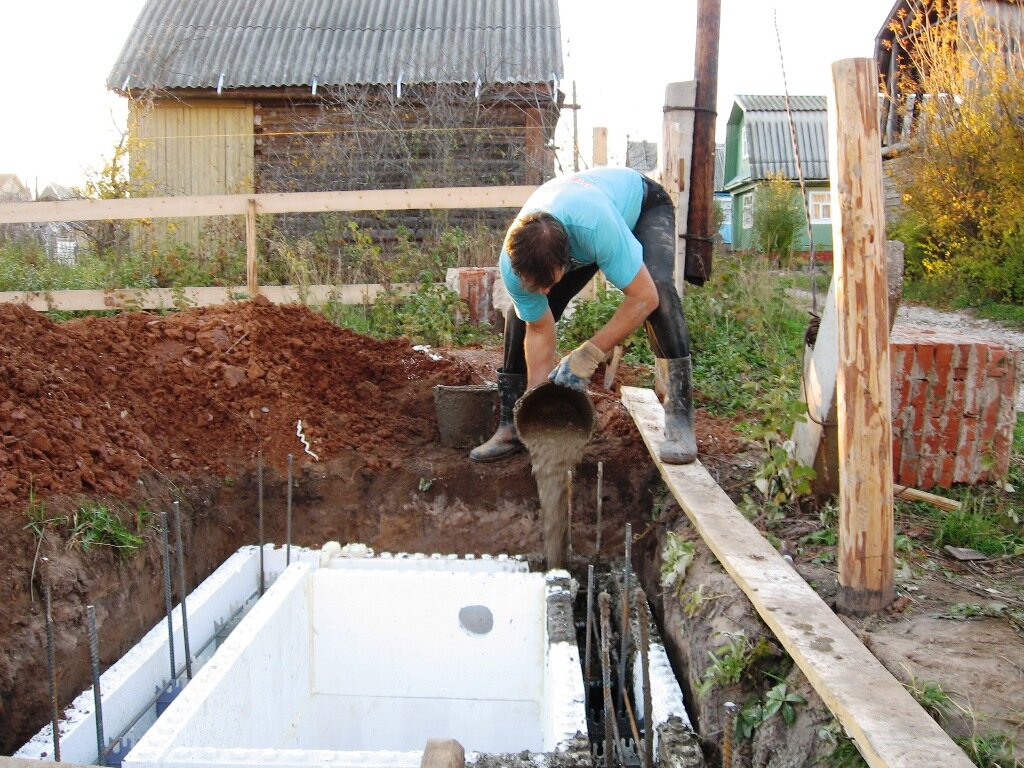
pixel 259 507
pixel 643 618
pixel 587 643
pixel 611 726
pixel 288 519
pixel 568 525
pixel 51 661
pixel 624 645
pixel 164 540
pixel 94 664
pixel 600 504
pixel 182 589
pixel 730 725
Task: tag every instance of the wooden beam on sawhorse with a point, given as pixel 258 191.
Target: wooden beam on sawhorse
pixel 890 728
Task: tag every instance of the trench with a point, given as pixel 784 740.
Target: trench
pixel 427 504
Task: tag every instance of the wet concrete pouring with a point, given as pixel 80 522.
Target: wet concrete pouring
pixel 138 410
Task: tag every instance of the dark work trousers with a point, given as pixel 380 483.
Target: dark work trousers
pixel 666 326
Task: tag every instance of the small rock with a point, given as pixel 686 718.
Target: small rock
pixel 964 553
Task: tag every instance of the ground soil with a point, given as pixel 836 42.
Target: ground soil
pixel 139 409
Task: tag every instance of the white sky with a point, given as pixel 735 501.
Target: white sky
pixel 58 119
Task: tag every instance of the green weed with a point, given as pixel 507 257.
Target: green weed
pixel 730 661
pixel 94 524
pixel 990 750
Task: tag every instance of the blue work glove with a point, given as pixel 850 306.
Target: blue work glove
pixel 575 369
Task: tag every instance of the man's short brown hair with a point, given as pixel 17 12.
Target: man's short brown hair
pixel 537 246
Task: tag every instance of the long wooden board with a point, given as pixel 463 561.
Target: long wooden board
pixel 888 726
pixel 293 202
pixel 180 298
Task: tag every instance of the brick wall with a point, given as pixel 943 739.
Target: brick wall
pixel 953 405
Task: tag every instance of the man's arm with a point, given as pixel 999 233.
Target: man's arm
pixel 540 348
pixel 640 298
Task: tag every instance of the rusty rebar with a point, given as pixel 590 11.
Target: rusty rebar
pixel 51 661
pixel 182 587
pixel 600 504
pixel 165 543
pixel 94 665
pixel 587 644
pixel 611 726
pixel 643 619
pixel 288 519
pixel 624 645
pixel 259 507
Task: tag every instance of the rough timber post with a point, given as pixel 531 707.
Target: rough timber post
pixel 700 217
pixel 862 312
pixel 677 143
pixel 600 144
pixel 251 278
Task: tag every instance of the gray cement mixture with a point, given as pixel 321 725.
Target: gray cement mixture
pixel 555 436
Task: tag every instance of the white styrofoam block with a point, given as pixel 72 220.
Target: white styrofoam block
pixel 398 634
pixel 237 699
pixel 133 680
pixel 564 697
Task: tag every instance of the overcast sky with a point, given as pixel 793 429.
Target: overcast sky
pixel 59 120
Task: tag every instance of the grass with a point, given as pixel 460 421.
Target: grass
pixel 947 293
pixel 94 524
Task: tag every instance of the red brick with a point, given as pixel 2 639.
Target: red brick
pixel 943 372
pixel 951 430
pixel 946 473
pixel 998 362
pixel 963 471
pixel 931 436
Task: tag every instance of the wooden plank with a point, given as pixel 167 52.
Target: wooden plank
pixel 914 494
pixel 171 298
pixel 864 411
pixel 284 202
pixel 888 726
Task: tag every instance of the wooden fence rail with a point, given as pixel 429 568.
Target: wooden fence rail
pixel 249 206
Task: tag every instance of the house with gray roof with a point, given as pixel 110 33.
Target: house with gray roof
pixel 759 147
pixel 264 96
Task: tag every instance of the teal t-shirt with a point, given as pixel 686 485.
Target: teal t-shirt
pixel 598 209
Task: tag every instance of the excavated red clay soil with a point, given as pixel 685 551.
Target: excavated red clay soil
pixel 140 409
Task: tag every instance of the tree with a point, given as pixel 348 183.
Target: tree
pixel 778 218
pixel 961 171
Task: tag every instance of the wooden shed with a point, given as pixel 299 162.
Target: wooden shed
pixel 310 95
pixel 758 147
pixel 904 30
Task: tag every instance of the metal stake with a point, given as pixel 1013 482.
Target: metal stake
pixel 259 506
pixel 600 503
pixel 624 646
pixel 586 645
pixel 167 592
pixel 288 519
pixel 182 588
pixel 94 663
pixel 51 663
pixel 643 618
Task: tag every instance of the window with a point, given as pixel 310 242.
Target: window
pixel 748 210
pixel 820 203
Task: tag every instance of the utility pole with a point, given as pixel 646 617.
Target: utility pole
pixel 700 219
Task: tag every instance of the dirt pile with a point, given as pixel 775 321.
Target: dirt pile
pixel 89 405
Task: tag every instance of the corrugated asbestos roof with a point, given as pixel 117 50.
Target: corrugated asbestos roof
pixel 277 43
pixel 769 144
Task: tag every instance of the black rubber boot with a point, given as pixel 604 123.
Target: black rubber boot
pixel 680 445
pixel 504 442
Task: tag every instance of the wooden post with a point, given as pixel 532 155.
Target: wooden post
pixel 862 314
pixel 700 218
pixel 600 146
pixel 251 276
pixel 677 152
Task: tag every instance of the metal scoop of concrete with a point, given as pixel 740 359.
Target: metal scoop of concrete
pixel 549 408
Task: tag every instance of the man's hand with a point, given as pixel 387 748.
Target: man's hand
pixel 575 369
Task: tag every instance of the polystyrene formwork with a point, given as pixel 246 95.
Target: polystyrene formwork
pixel 130 685
pixel 361 662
